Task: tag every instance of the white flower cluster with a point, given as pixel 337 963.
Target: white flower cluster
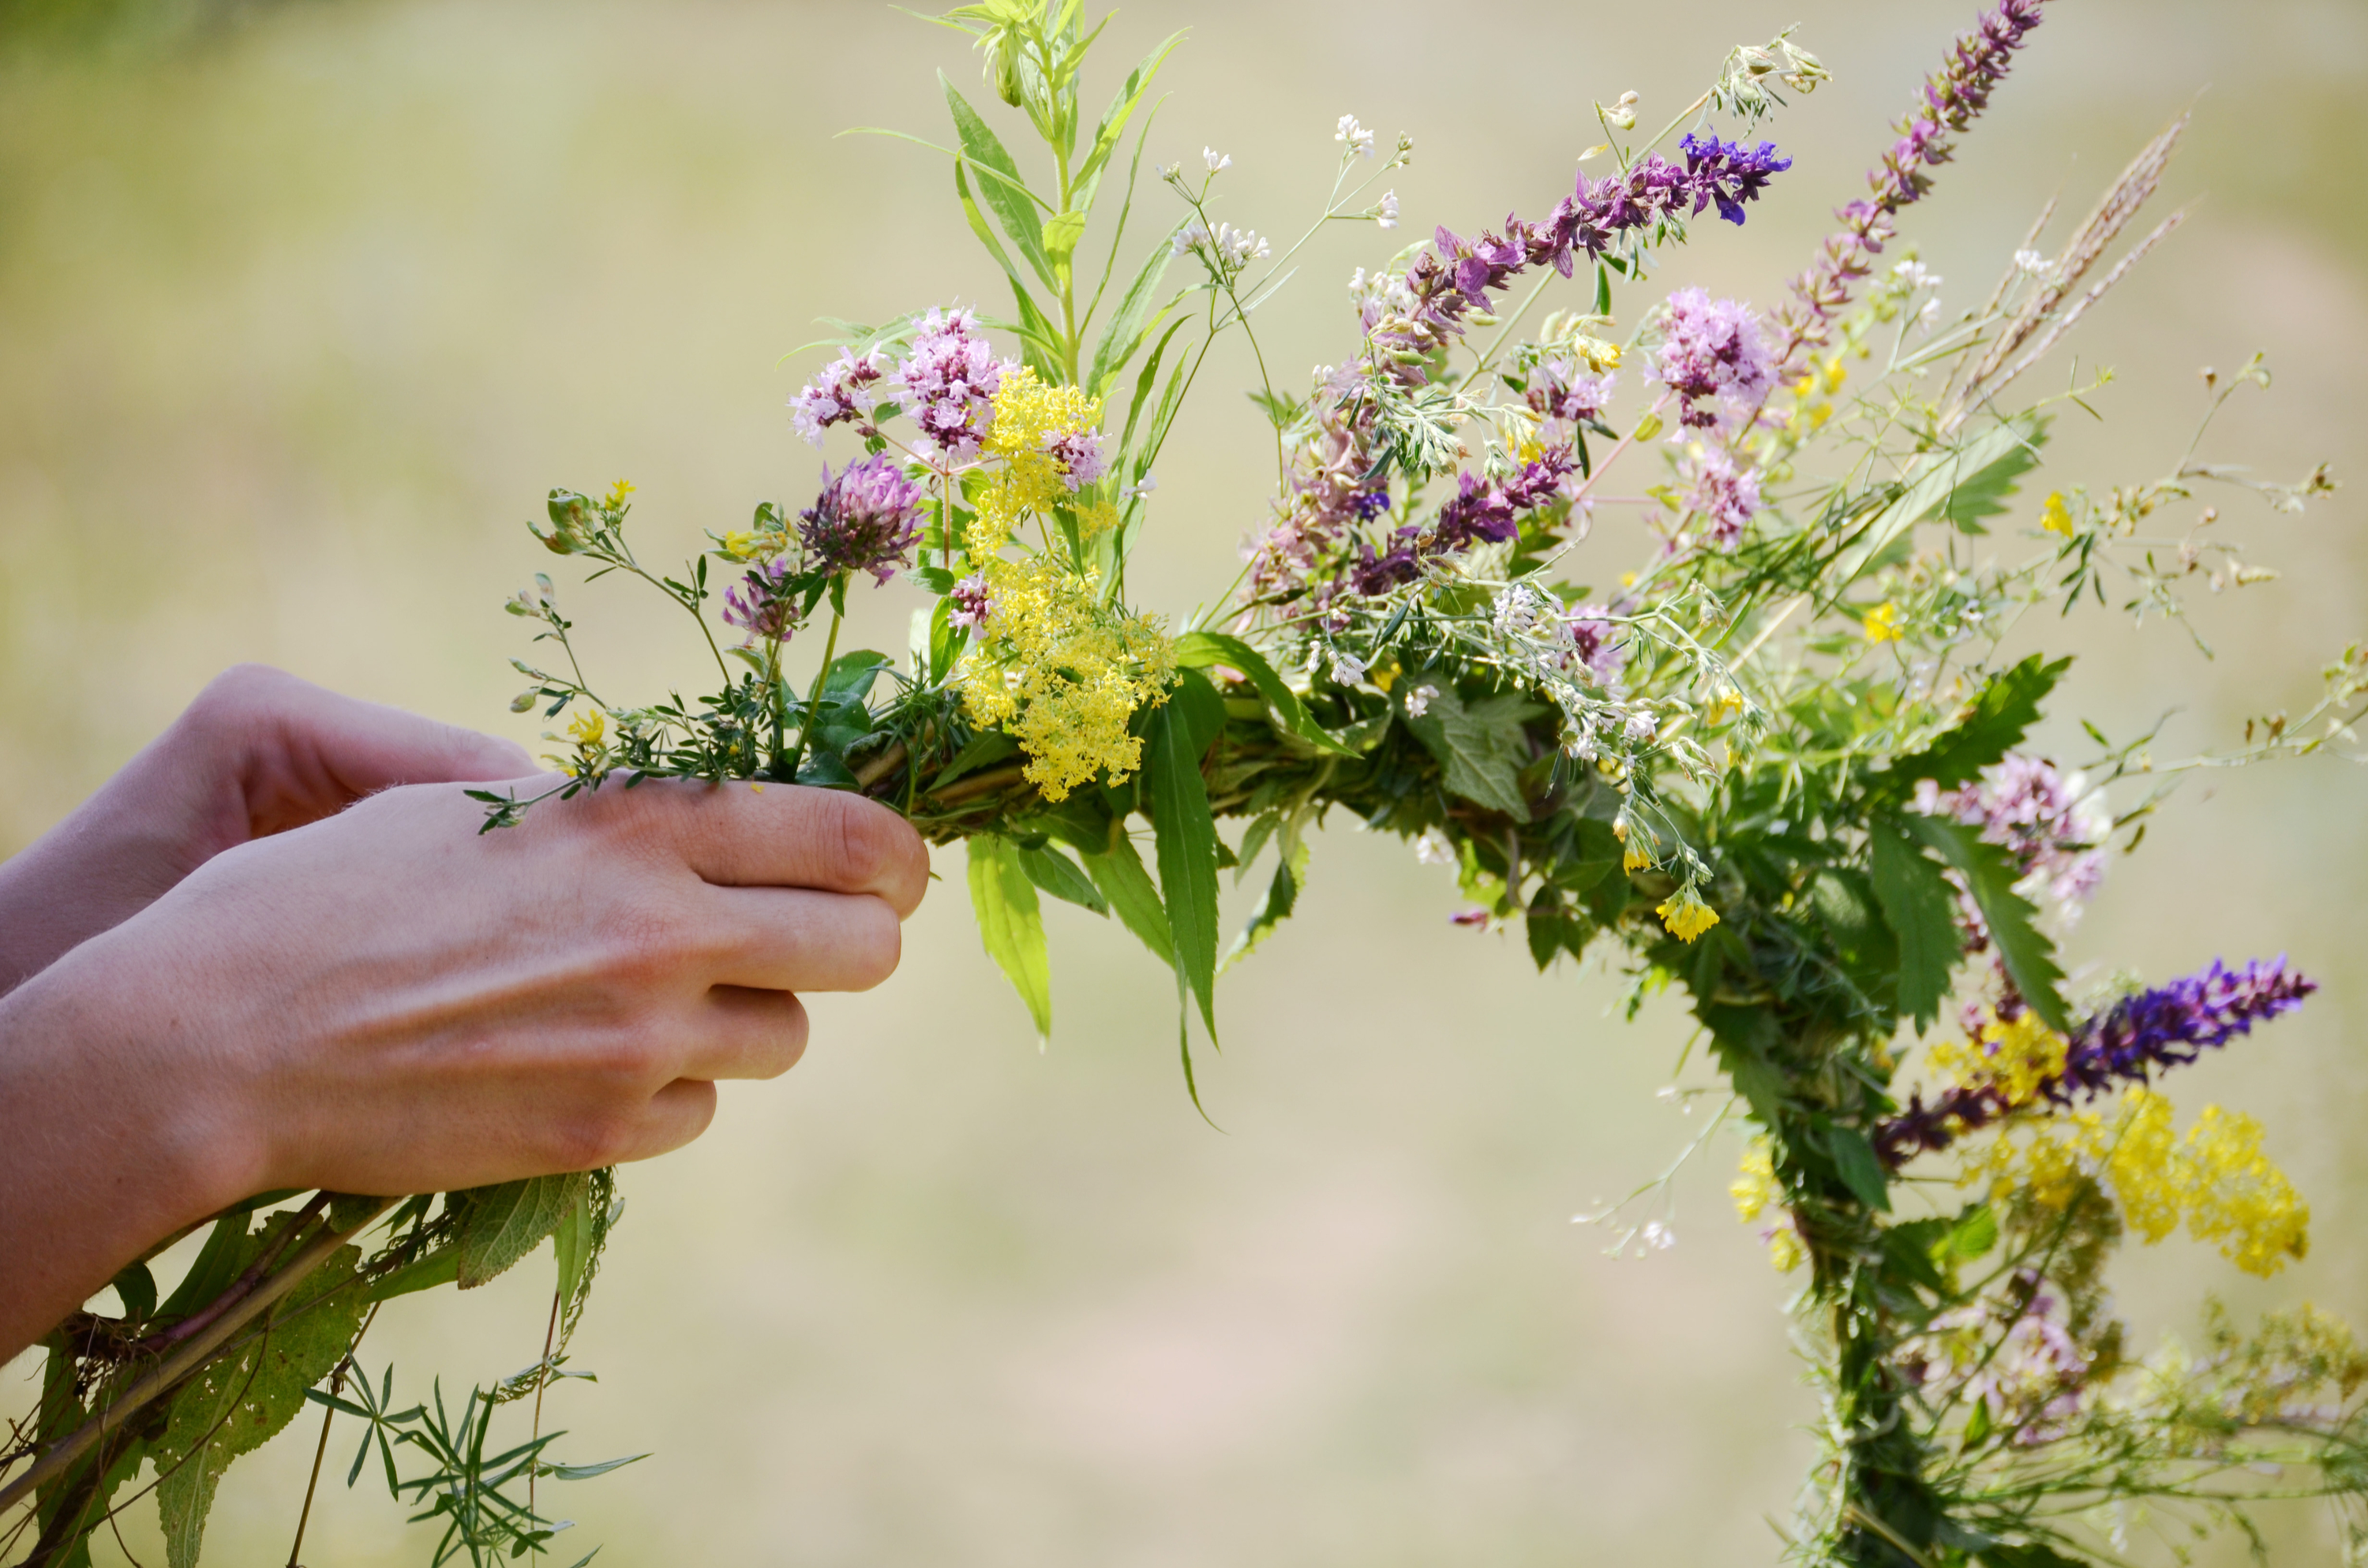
pixel 1355 137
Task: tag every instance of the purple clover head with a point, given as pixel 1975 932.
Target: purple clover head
pixel 758 606
pixel 835 396
pixel 865 519
pixel 947 383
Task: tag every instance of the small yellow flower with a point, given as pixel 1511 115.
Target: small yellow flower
pixel 1686 915
pixel 588 730
pixel 617 493
pixel 1882 624
pixel 2054 516
pixel 1805 385
pixel 1755 1186
pixel 1725 704
pixel 1835 373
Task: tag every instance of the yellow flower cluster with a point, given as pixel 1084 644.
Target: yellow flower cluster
pixel 2018 1057
pixel 1755 1190
pixel 1881 623
pixel 1685 915
pixel 2054 516
pixel 1058 670
pixel 2215 1178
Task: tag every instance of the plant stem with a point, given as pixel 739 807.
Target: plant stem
pixel 813 698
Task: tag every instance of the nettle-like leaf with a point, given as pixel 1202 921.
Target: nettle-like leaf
pixel 501 1225
pixel 1479 746
pixel 1932 483
pixel 1990 875
pixel 1993 725
pixel 1920 907
pixel 1282 895
pixel 241 1402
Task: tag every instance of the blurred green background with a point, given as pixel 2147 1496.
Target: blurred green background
pixel 303 308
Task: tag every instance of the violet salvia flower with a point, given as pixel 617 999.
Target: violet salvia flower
pixel 1482 511
pixel 1711 349
pixel 835 396
pixel 1953 96
pixel 947 384
pixel 865 519
pixel 971 602
pixel 2137 1037
pixel 1725 497
pixel 1728 173
pixel 758 606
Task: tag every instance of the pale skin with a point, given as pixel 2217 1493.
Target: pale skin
pixel 273 952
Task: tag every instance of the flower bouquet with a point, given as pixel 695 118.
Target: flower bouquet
pixel 1779 759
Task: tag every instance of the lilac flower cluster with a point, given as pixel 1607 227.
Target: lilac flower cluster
pixel 970 603
pixel 947 384
pixel 1482 511
pixel 759 603
pixel 1710 349
pixel 2139 1036
pixel 865 519
pixel 835 396
pixel 1953 96
pixel 2051 823
pixel 1727 498
pixel 1557 389
pixel 1080 453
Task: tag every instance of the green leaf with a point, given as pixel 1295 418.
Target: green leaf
pixel 1011 924
pixel 1742 1037
pixel 1977 1427
pixel 503 1224
pixel 1994 725
pixel 1062 233
pixel 1984 493
pixel 1121 109
pixel 1199 650
pixel 1137 462
pixel 239 1402
pixel 1975 1231
pixel 1921 910
pixel 1861 1170
pixel 438 1267
pixel 2032 1555
pixel 978 226
pixel 1124 880
pixel 1281 898
pixel 1060 876
pixel 136 1287
pixel 1932 483
pixel 1185 835
pixel 1479 746
pixel 1006 197
pixel 1135 322
pixel 570 1243
pixel 1991 875
pixel 228 1250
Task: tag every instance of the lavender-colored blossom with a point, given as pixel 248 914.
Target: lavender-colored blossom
pixel 1710 349
pixel 971 602
pixel 758 606
pixel 1557 389
pixel 1953 96
pixel 835 396
pixel 947 383
pixel 2137 1037
pixel 1593 639
pixel 2051 823
pixel 1728 173
pixel 1080 453
pixel 1725 497
pixel 865 519
pixel 1482 511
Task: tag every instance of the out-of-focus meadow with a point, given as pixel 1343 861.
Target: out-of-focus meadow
pixel 303 310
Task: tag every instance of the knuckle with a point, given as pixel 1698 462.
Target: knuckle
pixel 590 1139
pixel 878 945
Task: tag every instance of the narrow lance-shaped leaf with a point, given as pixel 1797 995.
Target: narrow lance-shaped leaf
pixel 1057 874
pixel 1008 197
pixel 1122 107
pixel 1011 924
pixel 1281 897
pixel 1199 650
pixel 1120 873
pixel 1185 838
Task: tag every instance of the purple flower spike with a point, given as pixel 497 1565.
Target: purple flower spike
pixel 2137 1037
pixel 865 519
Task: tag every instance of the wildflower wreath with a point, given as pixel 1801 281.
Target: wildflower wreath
pixel 1779 764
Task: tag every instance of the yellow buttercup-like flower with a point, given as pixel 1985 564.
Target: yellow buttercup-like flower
pixel 2054 516
pixel 1882 624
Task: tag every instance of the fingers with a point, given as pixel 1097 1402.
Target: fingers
pixel 304 753
pixel 675 1115
pixel 787 836
pixel 797 939
pixel 744 1033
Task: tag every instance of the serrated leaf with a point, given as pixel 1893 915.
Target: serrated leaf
pixel 1931 481
pixel 501 1225
pixel 1991 875
pixel 1121 875
pixel 1998 720
pixel 1011 924
pixel 239 1402
pixel 1281 897
pixel 1984 493
pixel 1920 907
pixel 1479 746
pixel 1057 874
pixel 1185 836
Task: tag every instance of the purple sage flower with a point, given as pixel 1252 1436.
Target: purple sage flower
pixel 835 396
pixel 865 519
pixel 1728 173
pixel 1556 389
pixel 2137 1037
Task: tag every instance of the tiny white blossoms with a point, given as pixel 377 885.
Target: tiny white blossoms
pixel 1347 668
pixel 1216 159
pixel 2031 262
pixel 1418 701
pixel 1386 214
pixel 1237 247
pixel 1355 137
pixel 1434 848
pixel 1190 237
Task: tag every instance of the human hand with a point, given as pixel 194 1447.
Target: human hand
pixel 257 752
pixel 387 1002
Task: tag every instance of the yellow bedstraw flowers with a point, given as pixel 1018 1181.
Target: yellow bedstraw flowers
pixel 1058 670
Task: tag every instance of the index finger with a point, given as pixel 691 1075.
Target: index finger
pixel 790 835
